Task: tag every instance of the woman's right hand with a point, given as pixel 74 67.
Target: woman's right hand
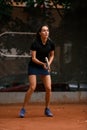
pixel 46 67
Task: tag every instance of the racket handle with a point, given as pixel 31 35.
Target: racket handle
pixel 46 59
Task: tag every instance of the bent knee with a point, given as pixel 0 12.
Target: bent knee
pixel 48 89
pixel 32 88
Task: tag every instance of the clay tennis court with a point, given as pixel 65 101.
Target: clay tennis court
pixel 66 117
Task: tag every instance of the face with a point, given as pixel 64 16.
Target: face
pixel 44 32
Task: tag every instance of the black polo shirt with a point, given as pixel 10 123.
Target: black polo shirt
pixel 42 50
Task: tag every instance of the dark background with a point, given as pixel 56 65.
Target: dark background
pixel 68 32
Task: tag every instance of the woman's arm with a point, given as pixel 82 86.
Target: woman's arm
pixel 51 57
pixel 34 59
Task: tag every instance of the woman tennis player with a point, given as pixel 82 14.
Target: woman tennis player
pixel 41 49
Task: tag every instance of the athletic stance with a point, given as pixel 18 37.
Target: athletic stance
pixel 41 48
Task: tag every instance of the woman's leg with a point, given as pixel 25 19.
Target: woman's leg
pixel 47 83
pixel 32 86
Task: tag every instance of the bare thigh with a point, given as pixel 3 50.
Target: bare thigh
pixel 32 81
pixel 46 81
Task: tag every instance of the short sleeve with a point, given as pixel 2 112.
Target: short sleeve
pixel 52 46
pixel 33 46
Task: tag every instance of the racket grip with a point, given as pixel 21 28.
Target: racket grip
pixel 46 59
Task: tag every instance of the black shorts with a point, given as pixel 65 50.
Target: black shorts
pixel 37 70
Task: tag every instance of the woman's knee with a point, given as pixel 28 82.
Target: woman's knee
pixel 31 89
pixel 48 89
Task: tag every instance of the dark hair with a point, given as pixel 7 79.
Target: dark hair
pixel 39 30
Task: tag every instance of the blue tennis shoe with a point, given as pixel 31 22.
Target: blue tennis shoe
pixel 48 112
pixel 22 113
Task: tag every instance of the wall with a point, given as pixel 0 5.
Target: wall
pixel 57 97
